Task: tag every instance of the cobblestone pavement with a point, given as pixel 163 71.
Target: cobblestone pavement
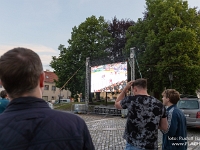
pixel 107 131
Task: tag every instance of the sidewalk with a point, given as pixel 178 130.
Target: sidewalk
pixel 107 132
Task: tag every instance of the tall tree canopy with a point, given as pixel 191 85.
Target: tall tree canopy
pixel 168 43
pixel 90 39
pixel 118 29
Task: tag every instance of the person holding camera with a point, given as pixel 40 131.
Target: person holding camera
pixel 146 115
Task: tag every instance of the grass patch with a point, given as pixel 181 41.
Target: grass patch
pixel 68 106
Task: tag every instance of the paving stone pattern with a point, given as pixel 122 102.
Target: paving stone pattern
pixel 107 132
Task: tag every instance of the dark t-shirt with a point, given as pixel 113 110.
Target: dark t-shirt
pixel 144 115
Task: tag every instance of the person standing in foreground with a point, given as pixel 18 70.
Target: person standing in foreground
pixel 4 101
pixel 175 138
pixel 28 122
pixel 145 115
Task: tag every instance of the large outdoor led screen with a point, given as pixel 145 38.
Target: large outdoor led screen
pixel 109 77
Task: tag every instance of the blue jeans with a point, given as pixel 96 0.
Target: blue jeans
pixel 131 147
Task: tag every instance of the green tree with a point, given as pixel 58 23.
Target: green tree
pixel 90 39
pixel 168 42
pixel 118 29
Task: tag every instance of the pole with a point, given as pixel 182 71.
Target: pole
pixel 59 97
pixel 106 99
pixel 171 79
pixel 87 86
pixel 132 64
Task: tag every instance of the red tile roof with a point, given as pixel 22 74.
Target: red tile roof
pixel 50 77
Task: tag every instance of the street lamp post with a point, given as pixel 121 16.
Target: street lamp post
pixel 171 79
pixel 59 96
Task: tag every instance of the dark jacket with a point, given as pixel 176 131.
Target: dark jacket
pixel 29 124
pixel 176 136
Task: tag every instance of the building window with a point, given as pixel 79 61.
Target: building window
pixel 45 98
pixel 46 87
pixel 53 88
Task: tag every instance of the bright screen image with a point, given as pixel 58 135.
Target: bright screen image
pixel 109 77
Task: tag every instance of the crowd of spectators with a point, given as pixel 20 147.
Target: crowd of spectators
pixel 115 87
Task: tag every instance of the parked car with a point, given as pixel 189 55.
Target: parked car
pixel 190 105
pixel 62 101
pixel 65 100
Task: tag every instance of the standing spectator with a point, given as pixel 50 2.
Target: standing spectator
pixel 28 123
pixel 177 129
pixel 145 115
pixel 4 101
pixel 50 104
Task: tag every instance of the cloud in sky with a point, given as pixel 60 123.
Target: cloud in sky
pixel 44 52
pixel 43 25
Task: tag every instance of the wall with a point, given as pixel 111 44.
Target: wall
pixel 52 92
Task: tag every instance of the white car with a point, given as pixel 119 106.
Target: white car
pixel 65 100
